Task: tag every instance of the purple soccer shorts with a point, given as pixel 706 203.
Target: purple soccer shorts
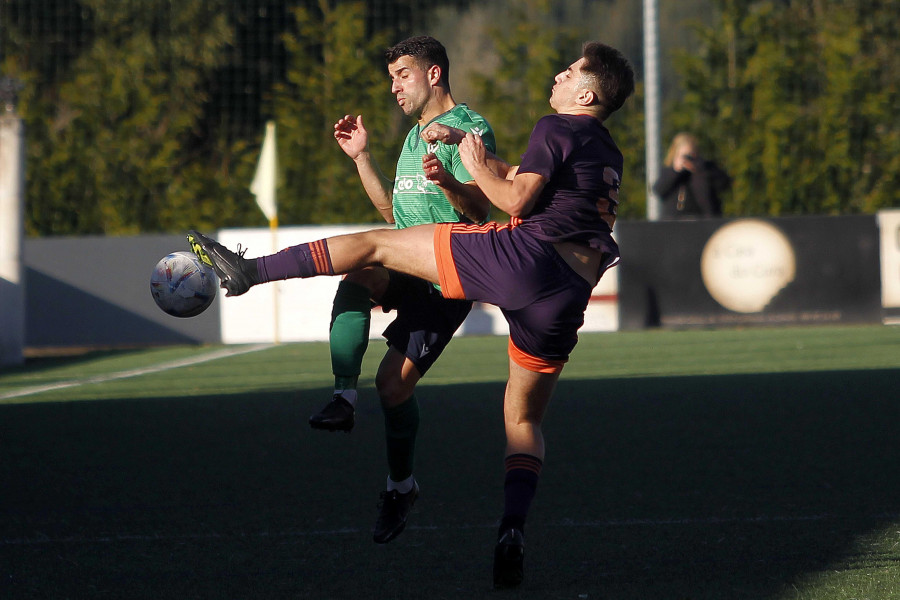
pixel 542 298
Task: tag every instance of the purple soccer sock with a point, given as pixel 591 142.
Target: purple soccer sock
pixel 303 260
pixel 520 486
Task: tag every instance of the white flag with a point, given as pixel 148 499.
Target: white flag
pixel 263 186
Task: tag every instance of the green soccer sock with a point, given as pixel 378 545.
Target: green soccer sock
pixel 401 424
pixel 349 333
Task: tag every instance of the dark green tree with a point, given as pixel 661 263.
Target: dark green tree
pixel 800 101
pixel 336 67
pixel 528 53
pixel 537 40
pixel 112 143
pixel 627 128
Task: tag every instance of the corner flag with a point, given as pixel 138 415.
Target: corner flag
pixel 265 180
pixel 263 187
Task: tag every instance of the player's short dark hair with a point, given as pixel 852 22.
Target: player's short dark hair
pixel 611 71
pixel 426 51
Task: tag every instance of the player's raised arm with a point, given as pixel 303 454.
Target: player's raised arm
pixel 353 138
pixel 467 198
pixel 437 132
pixel 512 192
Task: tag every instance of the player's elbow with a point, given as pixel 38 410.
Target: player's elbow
pixel 519 205
pixel 522 195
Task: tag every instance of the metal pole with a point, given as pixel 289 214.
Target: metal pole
pixel 12 231
pixel 651 104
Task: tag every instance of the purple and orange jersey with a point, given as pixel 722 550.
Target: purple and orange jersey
pixel 516 267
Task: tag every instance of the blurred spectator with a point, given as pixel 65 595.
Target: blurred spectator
pixel 689 185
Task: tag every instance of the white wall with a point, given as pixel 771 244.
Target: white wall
pixel 12 204
pixel 300 309
pixel 889 225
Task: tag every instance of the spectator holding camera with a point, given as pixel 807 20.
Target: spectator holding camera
pixel 689 186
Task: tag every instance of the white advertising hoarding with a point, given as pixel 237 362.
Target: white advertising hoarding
pixel 889 226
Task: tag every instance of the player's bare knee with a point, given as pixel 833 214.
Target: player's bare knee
pixel 392 389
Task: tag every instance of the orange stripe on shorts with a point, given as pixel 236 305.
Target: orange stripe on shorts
pixel 448 278
pixel 533 363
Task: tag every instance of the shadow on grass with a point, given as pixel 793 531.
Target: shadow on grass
pixel 688 487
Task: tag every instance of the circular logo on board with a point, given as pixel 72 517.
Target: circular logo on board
pixel 746 263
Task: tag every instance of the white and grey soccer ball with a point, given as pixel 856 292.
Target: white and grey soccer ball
pixel 182 285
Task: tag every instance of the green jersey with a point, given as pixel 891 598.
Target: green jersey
pixel 417 200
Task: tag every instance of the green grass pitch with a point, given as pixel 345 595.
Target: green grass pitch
pixel 756 463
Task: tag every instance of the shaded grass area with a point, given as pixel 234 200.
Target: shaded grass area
pixel 669 474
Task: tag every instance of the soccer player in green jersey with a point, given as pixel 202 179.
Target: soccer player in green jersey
pixel 425 321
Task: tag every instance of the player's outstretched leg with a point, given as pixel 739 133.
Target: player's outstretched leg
pixel 236 273
pixel 409 250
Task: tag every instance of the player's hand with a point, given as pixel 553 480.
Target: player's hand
pixel 351 135
pixel 436 132
pixel 472 152
pixel 434 169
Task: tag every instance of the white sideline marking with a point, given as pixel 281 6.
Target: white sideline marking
pixel 565 523
pixel 184 362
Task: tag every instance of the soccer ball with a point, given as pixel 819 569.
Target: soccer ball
pixel 183 286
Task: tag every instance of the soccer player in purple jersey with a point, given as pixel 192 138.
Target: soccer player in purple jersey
pixel 539 269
